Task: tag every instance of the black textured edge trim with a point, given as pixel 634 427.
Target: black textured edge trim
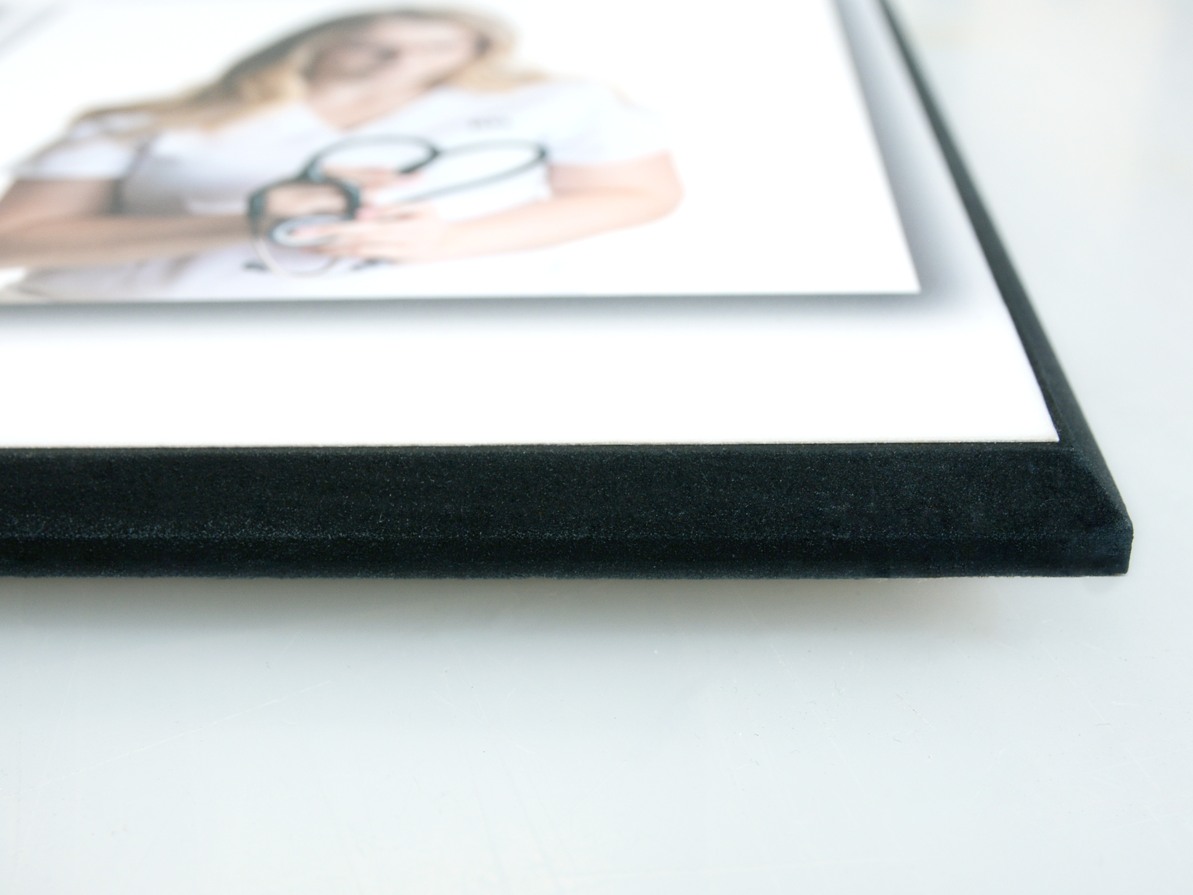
pixel 1066 413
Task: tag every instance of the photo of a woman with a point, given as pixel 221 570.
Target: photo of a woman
pixel 152 200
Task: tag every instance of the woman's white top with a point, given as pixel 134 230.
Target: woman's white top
pixel 193 171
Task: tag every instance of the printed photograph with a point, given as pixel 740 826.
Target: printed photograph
pixel 280 223
pixel 258 151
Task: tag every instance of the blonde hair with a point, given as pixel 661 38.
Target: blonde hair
pixel 279 73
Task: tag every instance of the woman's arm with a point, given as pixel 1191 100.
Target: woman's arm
pixel 69 223
pixel 586 200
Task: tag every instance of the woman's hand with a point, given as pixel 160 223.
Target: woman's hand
pixel 397 233
pixel 292 200
pixel 299 198
pixel 372 182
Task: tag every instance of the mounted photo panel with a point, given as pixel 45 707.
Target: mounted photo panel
pixel 514 288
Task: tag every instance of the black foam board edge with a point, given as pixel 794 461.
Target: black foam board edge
pixel 685 511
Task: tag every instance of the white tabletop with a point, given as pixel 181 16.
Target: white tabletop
pixel 763 737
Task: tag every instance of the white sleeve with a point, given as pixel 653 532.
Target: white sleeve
pixel 595 126
pixel 94 149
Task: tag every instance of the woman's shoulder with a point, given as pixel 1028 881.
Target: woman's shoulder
pixel 571 90
pixel 558 106
pixel 110 125
pixel 554 92
pixel 103 145
pixel 581 121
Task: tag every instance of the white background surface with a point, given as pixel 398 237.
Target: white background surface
pixel 837 737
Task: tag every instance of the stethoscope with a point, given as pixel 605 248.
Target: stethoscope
pixel 267 234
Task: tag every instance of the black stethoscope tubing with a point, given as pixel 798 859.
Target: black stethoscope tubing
pixel 313 173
